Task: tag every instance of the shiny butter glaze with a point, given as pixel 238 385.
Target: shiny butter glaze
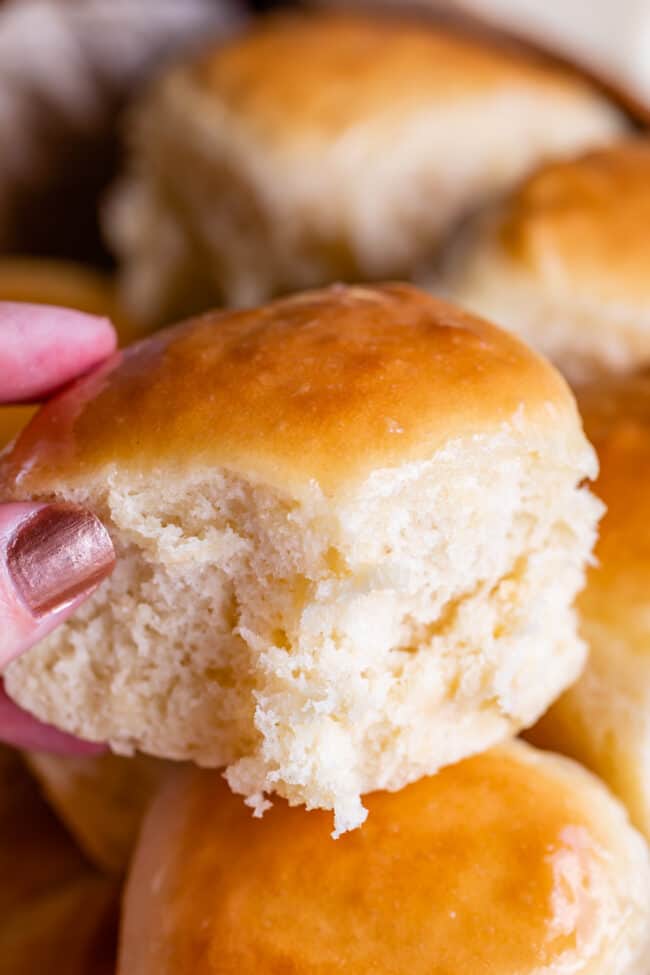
pixel 484 867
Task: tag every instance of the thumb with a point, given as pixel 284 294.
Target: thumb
pixel 52 556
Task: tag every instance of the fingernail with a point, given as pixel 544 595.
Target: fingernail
pixel 57 554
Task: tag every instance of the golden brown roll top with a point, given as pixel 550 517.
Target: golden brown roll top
pixel 563 261
pixel 323 387
pixel 585 220
pixel 376 68
pixel 328 147
pixel 511 862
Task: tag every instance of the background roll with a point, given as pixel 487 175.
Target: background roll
pixel 101 799
pixel 514 861
pixel 604 719
pixel 563 261
pixel 313 149
pixel 57 914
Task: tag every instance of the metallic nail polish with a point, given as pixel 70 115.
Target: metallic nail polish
pixel 57 554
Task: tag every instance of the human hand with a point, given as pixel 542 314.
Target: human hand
pixel 52 556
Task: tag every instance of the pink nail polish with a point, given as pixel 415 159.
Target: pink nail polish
pixel 57 554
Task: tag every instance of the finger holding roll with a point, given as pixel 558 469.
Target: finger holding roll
pixel 349 527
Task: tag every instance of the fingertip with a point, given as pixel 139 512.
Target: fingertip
pixel 45 347
pixel 22 730
pixel 89 342
pixel 102 336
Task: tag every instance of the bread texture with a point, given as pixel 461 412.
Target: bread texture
pixel 325 147
pixel 350 526
pixel 563 261
pixel 511 862
pixel 604 720
pixel 101 799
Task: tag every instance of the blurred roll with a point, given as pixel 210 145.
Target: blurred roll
pixel 564 261
pixel 512 862
pixel 56 913
pixel 327 147
pixel 101 799
pixel 604 719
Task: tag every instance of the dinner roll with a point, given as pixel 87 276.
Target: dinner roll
pixel 324 147
pixel 604 720
pixel 565 262
pixel 350 526
pixel 56 913
pixel 512 863
pixel 101 799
